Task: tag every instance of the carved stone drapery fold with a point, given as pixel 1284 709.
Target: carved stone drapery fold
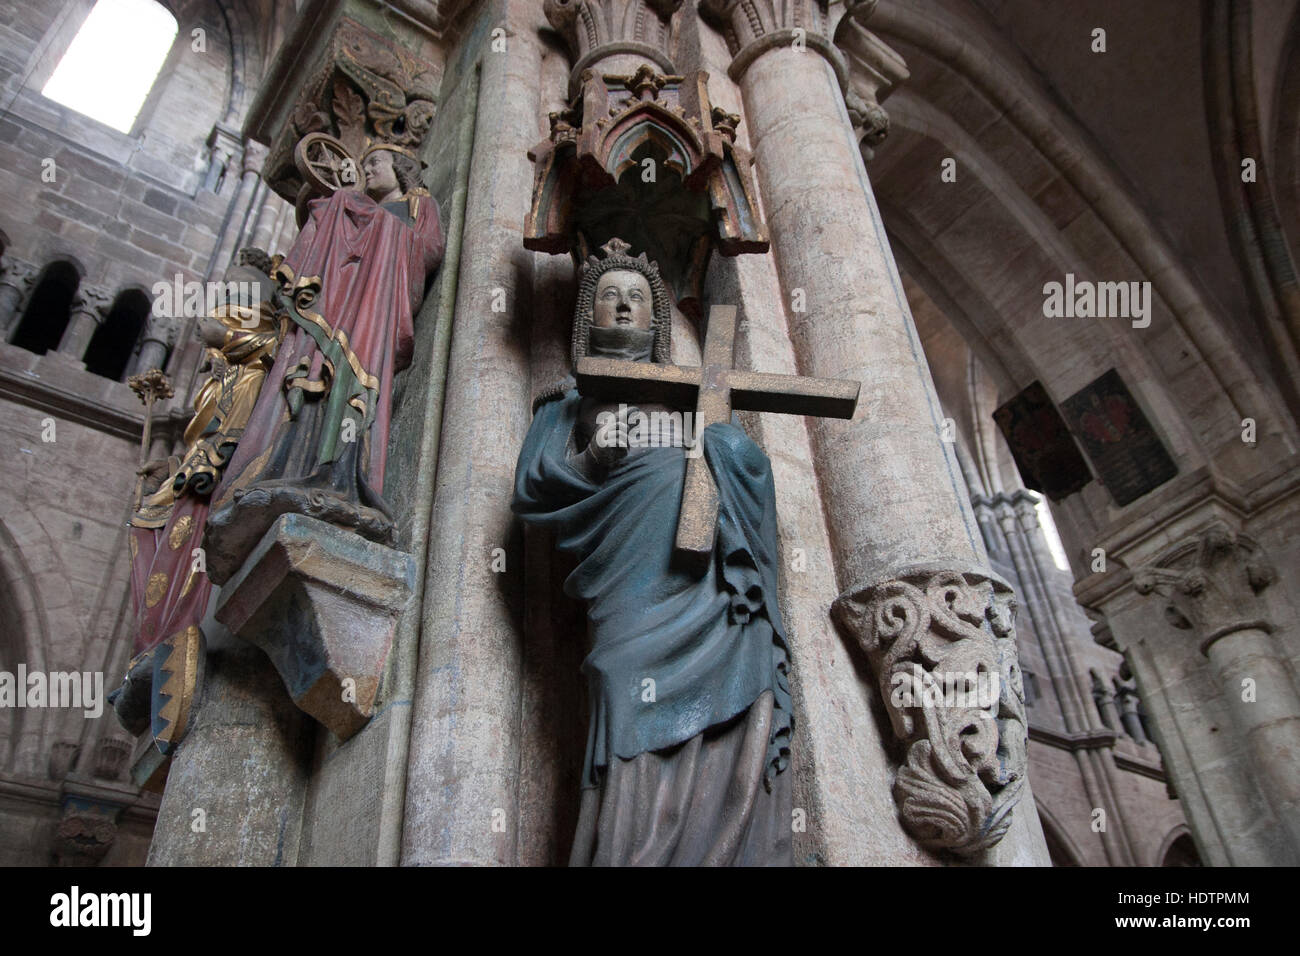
pixel 587 189
pixel 941 644
pixel 1211 585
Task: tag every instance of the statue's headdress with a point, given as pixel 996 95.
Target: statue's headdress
pixel 392 148
pixel 617 258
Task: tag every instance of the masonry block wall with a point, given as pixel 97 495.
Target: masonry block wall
pixel 110 213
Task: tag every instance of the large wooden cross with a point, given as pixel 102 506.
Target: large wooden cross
pixel 715 388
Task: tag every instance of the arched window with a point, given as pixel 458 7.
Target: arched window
pixel 111 346
pixel 1182 852
pixel 48 310
pixel 113 61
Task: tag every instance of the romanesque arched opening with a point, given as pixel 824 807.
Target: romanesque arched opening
pixel 48 310
pixel 114 341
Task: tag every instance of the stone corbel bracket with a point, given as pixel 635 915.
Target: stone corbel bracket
pixel 875 71
pixel 323 603
pixel 926 631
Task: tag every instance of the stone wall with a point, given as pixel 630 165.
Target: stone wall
pixel 125 211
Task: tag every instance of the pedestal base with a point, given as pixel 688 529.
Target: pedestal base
pixel 322 603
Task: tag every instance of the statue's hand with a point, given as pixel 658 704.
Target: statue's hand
pixel 610 443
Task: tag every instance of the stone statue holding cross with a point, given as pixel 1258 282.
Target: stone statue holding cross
pixel 688 747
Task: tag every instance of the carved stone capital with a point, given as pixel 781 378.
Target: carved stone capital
pixel 93 300
pixel 254 157
pixel 323 603
pixel 941 644
pixel 363 89
pixel 18 274
pixel 1211 584
pixel 752 27
pixel 162 329
pixel 595 29
pixel 223 141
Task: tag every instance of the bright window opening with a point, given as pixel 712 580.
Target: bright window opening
pixel 1050 533
pixel 113 61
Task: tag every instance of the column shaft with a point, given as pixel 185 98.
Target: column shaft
pixel 462 791
pixel 894 494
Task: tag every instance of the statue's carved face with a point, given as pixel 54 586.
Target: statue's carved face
pixel 381 178
pixel 623 300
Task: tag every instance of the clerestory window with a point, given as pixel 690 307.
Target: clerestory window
pixel 113 61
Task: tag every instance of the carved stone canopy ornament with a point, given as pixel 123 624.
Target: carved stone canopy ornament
pixel 591 182
pixel 942 646
pixel 366 90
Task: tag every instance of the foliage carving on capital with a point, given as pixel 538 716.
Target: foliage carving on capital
pixel 18 274
pixel 365 90
pixel 1211 584
pixel 593 27
pixel 93 300
pixel 742 22
pixel 942 647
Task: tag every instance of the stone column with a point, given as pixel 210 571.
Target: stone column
pixel 907 551
pixel 158 334
pixel 1211 586
pixel 234 793
pixel 89 308
pixel 462 789
pixel 15 283
pixel 1128 714
pixel 1018 518
pixel 1105 701
pixel 223 143
pixel 233 227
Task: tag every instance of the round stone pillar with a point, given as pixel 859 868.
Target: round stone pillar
pixel 254 157
pixel 153 349
pixel 462 790
pixel 88 310
pixel 904 540
pixel 1211 586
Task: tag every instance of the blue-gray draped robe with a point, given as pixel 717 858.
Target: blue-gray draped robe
pixel 712 643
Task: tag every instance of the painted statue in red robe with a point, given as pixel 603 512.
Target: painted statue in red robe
pixel 317 441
